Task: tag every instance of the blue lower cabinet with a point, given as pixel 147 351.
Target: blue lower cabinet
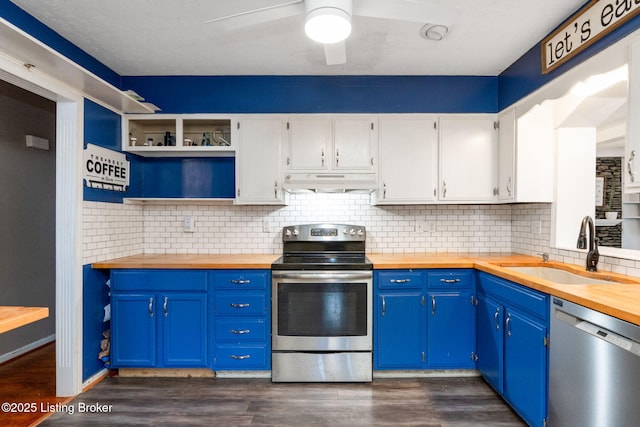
pixel 242 322
pixel 133 330
pixel 400 335
pixel 184 330
pixel 158 328
pixel 513 352
pixel 451 330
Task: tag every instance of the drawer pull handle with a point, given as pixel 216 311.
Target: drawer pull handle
pixel 240 281
pixel 495 319
pixel 236 305
pixel 450 280
pixel 240 331
pixel 241 357
pixel 400 280
pixel 151 307
pixel 164 306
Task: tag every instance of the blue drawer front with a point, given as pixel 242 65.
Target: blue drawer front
pixel 158 280
pixel 239 357
pixel 235 329
pixel 400 279
pixel 448 279
pixel 241 280
pixel 241 304
pixel 529 300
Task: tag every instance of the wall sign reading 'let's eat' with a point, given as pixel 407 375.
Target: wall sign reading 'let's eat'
pixel 593 21
pixel 105 169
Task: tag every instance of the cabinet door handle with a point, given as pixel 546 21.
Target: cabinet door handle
pixel 275 190
pixel 508 324
pixel 384 190
pixel 400 280
pixel 151 307
pixel 236 305
pixel 433 305
pixel 240 281
pixel 495 319
pixel 444 189
pixel 632 175
pixel 239 331
pixel 450 280
pixel 509 184
pixel 164 306
pixel 322 157
pixel 384 306
pixel 337 157
pixel 241 357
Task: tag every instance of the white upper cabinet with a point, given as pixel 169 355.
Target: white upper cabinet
pixel 506 155
pixel 354 143
pixel 468 158
pixel 408 160
pixel 331 143
pixel 309 143
pixel 258 164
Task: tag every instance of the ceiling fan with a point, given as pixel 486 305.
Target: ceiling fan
pixel 329 21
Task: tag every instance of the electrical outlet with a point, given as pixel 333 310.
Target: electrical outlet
pixel 425 226
pixel 536 226
pixel 189 224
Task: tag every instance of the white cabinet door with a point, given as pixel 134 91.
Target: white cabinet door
pixel 408 159
pixel 468 158
pixel 309 143
pixel 258 162
pixel 506 155
pixel 632 177
pixel 354 143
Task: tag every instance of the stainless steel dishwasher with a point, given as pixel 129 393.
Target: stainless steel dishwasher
pixel 594 368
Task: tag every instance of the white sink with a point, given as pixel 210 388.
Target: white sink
pixel 562 277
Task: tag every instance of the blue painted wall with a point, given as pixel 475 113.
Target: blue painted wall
pixel 103 127
pixel 525 75
pixel 318 94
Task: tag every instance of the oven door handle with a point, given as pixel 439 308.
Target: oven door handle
pixel 322 276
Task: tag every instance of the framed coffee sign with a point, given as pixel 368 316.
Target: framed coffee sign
pixel 596 19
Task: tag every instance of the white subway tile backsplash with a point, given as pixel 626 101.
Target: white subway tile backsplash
pixel 117 230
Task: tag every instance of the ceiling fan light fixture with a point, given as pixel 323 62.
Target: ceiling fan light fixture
pixel 328 23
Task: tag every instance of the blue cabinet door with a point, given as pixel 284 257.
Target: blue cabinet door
pixel 400 341
pixel 184 329
pixel 450 329
pixel 133 330
pixel 490 342
pixel 525 367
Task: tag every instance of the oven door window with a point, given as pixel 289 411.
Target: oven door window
pixel 322 309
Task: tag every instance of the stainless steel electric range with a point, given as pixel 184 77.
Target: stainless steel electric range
pixel 322 305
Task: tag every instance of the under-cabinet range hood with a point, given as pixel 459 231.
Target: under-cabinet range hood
pixel 330 182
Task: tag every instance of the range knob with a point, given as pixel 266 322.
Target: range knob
pixel 360 232
pixel 352 232
pixel 295 232
pixel 287 232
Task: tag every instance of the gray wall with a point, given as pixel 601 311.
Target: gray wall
pixel 27 212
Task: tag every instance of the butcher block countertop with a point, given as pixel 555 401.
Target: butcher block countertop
pixel 620 299
pixel 12 317
pixel 190 261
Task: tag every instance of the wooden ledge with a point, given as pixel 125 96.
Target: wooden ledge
pixel 12 317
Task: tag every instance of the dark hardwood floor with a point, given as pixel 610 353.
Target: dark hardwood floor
pixel 28 385
pixel 436 402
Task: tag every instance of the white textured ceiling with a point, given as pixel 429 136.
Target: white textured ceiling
pixel 169 37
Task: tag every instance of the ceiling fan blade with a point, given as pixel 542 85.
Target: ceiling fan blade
pixel 423 11
pixel 258 16
pixel 335 53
